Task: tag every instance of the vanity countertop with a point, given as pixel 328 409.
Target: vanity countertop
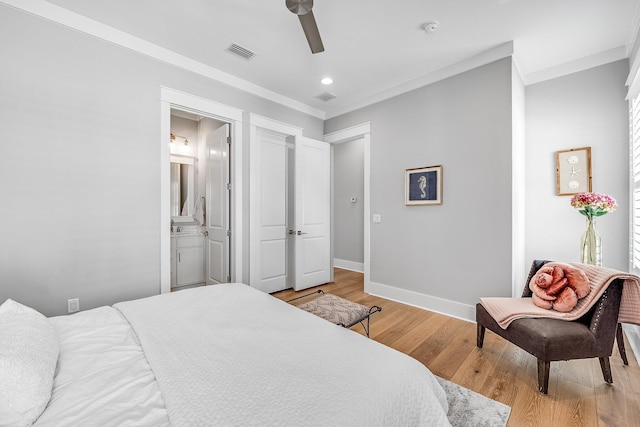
pixel 187 234
pixel 186 230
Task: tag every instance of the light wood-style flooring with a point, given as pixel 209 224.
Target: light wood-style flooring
pixel 578 395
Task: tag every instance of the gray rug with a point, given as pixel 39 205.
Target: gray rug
pixel 470 409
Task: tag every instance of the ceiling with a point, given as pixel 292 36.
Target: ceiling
pixel 371 46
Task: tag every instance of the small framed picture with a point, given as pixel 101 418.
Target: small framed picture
pixel 423 186
pixel 573 171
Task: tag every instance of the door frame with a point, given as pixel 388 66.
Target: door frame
pixel 361 131
pixel 171 98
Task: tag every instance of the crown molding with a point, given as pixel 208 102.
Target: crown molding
pixel 59 15
pixel 633 34
pixel 83 24
pixel 491 55
pixel 577 65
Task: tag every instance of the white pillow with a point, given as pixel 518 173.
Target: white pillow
pixel 28 356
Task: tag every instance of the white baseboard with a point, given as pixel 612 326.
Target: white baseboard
pixel 633 335
pixel 348 265
pixel 427 302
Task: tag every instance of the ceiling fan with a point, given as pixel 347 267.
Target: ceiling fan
pixel 302 8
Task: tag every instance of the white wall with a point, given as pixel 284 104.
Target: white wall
pixel 579 110
pixel 585 109
pixel 348 217
pixel 81 193
pixel 633 81
pixel 189 129
pixel 461 250
pixel 520 265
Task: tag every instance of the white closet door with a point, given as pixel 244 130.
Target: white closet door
pixel 217 206
pixel 312 213
pixel 269 211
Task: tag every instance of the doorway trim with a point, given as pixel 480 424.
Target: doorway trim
pixel 171 98
pixel 361 131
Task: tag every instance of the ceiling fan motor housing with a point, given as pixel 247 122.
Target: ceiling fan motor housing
pixel 299 7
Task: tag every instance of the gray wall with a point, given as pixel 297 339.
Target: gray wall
pixel 585 109
pixel 462 249
pixel 348 217
pixel 473 125
pixel 80 169
pixel 80 166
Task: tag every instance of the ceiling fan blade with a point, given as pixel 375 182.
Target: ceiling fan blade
pixel 310 29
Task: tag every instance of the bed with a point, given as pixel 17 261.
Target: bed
pixel 216 355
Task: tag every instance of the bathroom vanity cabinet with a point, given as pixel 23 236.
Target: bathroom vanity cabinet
pixel 187 260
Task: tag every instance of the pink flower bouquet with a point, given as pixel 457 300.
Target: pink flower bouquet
pixel 593 204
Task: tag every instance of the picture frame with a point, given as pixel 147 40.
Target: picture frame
pixel 573 171
pixel 423 186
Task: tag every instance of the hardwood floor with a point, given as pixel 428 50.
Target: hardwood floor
pixel 578 395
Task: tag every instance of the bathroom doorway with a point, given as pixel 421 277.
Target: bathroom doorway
pixel 201 222
pixel 199 200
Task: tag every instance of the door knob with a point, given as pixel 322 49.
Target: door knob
pixel 292 232
pixel 300 233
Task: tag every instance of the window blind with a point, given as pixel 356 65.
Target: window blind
pixel 635 180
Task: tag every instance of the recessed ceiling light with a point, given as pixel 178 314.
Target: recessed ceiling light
pixel 326 81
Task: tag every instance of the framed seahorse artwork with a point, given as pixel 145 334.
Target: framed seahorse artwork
pixel 423 186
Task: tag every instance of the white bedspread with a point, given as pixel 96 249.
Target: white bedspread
pixel 230 355
pixel 102 377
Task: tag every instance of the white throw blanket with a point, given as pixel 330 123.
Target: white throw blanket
pixel 231 355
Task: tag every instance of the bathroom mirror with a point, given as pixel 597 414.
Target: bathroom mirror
pixel 182 187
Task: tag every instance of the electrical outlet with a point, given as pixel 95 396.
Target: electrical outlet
pixel 73 305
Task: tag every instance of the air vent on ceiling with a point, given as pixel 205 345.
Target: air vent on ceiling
pixel 327 96
pixel 240 51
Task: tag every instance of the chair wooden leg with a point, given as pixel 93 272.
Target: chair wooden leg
pixel 480 337
pixel 620 340
pixel 606 369
pixel 543 376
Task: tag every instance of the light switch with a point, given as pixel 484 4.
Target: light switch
pixel 377 218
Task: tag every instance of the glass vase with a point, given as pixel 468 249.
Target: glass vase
pixel 591 244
